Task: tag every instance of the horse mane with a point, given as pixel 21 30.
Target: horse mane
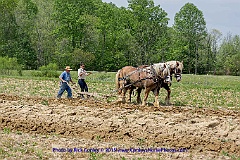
pixel 117 79
pixel 175 64
pixel 166 71
pixel 143 66
pixel 159 68
pixel 180 64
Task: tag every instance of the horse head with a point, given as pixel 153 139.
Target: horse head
pixel 163 71
pixel 176 68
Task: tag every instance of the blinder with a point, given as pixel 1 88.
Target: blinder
pixel 177 74
pixel 178 77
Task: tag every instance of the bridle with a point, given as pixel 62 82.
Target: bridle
pixel 177 73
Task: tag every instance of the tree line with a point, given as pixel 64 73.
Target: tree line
pixel 107 37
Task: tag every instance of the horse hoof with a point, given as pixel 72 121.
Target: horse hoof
pixel 167 103
pixel 156 105
pixel 139 102
pixel 128 101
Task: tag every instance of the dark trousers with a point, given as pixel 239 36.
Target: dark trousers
pixel 83 85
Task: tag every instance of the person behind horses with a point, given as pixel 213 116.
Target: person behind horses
pixel 65 78
pixel 82 73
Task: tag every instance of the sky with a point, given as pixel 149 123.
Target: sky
pixel 223 15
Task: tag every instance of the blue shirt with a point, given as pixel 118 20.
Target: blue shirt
pixel 65 76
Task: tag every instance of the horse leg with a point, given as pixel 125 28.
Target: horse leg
pixel 129 95
pixel 147 90
pixel 167 99
pixel 139 90
pixel 129 99
pixel 156 93
pixel 123 95
pixel 120 92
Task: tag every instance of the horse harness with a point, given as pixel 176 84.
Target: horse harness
pixel 175 71
pixel 150 71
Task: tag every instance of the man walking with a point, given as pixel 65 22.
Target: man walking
pixel 65 77
pixel 82 73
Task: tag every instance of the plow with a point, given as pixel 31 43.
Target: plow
pixel 76 91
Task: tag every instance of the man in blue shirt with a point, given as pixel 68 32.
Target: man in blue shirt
pixel 65 77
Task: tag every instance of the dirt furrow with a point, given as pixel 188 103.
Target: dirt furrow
pixel 195 129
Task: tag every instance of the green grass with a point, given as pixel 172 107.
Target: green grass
pixel 233 157
pixel 14 148
pixel 207 91
pixel 6 131
pixel 194 90
pixel 95 156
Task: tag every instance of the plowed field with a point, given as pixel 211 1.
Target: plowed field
pixel 49 128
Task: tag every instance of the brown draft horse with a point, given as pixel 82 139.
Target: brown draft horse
pixel 176 68
pixel 146 77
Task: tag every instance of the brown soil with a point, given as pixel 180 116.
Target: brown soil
pixel 201 133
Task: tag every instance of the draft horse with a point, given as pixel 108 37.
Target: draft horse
pixel 146 77
pixel 175 68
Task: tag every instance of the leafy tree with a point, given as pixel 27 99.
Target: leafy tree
pixel 105 37
pixel 8 27
pixel 16 26
pixel 25 14
pixel 71 23
pixel 79 55
pixel 149 29
pixel 190 26
pixel 208 55
pixel 77 29
pixel 42 38
pixel 229 55
pixel 116 41
pixel 7 65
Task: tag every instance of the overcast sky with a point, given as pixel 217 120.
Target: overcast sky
pixel 223 15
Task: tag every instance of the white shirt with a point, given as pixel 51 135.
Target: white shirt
pixel 82 72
